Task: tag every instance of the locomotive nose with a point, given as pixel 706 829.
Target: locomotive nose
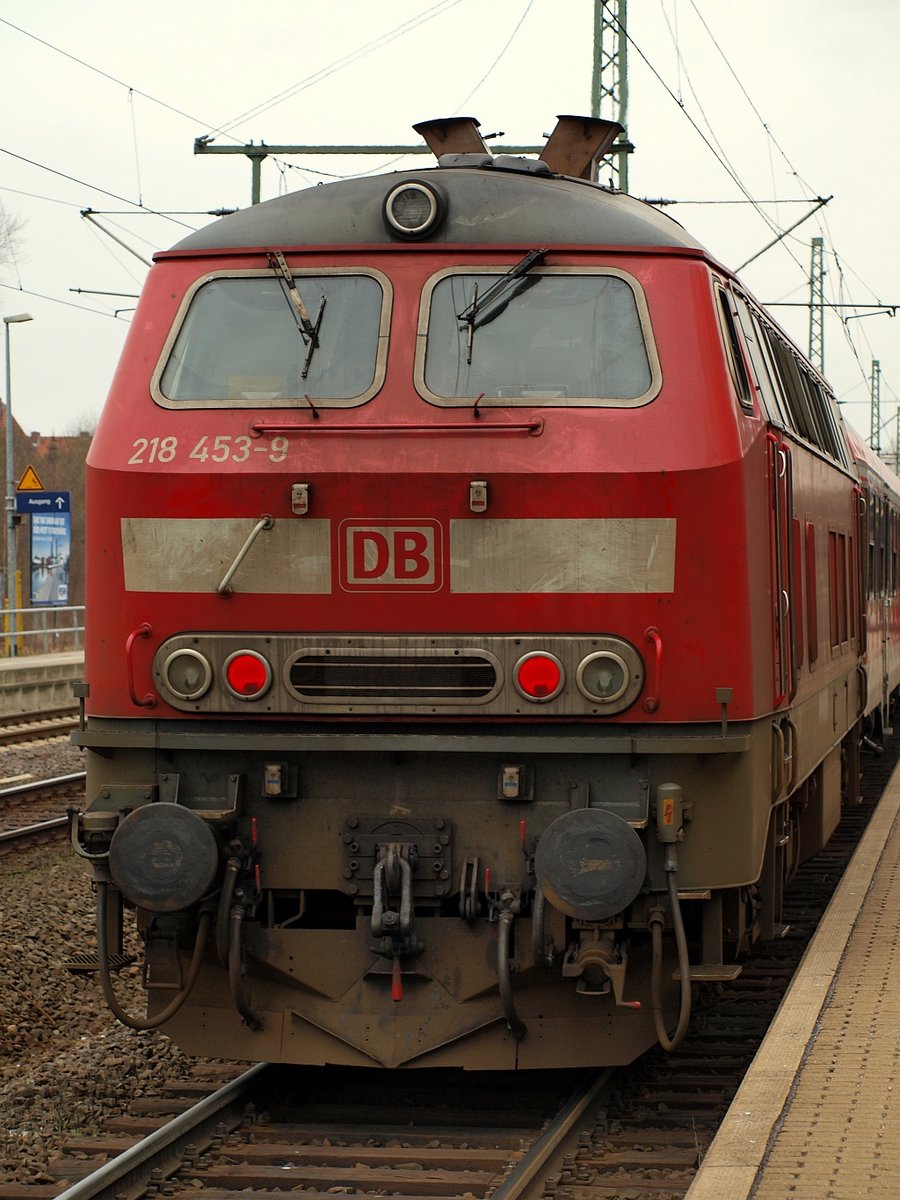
pixel 590 864
pixel 163 857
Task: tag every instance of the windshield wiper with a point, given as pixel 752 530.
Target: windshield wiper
pixel 469 315
pixel 309 330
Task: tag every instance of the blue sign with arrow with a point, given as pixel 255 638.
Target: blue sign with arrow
pixel 42 502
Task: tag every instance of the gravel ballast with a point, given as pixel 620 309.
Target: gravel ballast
pixel 66 1065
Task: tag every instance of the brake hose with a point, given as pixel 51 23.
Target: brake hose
pixel 504 932
pixel 223 912
pixel 657 921
pixel 142 1023
pixel 235 971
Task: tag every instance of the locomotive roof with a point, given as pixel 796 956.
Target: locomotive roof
pixel 486 204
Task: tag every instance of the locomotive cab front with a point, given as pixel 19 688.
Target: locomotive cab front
pixel 432 679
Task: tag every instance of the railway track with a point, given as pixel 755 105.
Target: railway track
pixel 327 1131
pixel 637 1133
pixel 34 810
pixel 37 726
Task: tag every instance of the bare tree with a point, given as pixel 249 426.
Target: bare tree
pixel 10 234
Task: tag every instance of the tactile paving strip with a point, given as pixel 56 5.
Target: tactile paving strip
pixel 816 1116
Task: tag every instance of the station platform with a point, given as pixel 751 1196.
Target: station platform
pixel 816 1115
pixel 35 681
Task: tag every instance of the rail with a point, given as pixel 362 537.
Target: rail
pixel 547 1153
pixel 31 833
pixel 470 1164
pixel 39 803
pixel 37 726
pixel 129 1173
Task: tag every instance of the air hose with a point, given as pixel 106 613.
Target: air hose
pixel 223 912
pixel 142 1023
pixel 657 924
pixel 504 932
pixel 236 970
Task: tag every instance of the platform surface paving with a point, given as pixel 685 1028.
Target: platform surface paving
pixel 817 1116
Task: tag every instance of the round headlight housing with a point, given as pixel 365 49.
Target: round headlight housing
pixel 611 677
pixel 539 676
pixel 414 209
pixel 247 675
pixel 187 674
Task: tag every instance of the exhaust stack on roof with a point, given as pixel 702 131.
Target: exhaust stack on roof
pixel 574 147
pixel 577 143
pixel 452 135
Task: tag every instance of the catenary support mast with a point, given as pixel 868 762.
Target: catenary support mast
pixel 609 90
pixel 817 305
pixel 875 394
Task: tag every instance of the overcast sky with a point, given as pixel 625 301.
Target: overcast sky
pixel 781 101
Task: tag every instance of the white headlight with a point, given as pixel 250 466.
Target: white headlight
pixel 187 674
pixel 413 209
pixel 612 676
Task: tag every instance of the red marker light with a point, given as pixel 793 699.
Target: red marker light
pixel 247 674
pixel 539 676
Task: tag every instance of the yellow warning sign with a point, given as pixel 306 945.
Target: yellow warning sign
pixel 29 482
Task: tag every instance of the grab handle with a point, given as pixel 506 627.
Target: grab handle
pixel 144 630
pixel 651 704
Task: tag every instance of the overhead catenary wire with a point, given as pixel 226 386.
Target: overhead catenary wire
pixel 771 141
pixel 284 166
pixel 506 45
pixel 104 74
pixel 849 284
pixel 134 138
pixel 97 227
pixel 337 65
pixel 92 186
pixel 708 141
pixel 23 291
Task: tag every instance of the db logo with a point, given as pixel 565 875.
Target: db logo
pixel 391 556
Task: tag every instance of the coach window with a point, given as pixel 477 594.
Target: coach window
pixel 241 339
pixel 877 539
pixel 870 502
pixel 770 393
pixel 807 402
pixel 733 351
pixel 820 403
pixel 791 389
pixel 550 336
pixel 838 587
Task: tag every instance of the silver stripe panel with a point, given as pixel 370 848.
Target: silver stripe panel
pixel 193 554
pixel 603 556
pixel 622 555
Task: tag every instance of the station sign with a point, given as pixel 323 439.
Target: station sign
pixel 43 502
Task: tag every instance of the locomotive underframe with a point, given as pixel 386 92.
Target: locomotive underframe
pixel 326 981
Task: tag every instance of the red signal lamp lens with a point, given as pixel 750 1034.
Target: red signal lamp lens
pixel 247 674
pixel 539 676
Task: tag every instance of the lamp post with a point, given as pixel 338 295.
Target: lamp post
pixel 11 489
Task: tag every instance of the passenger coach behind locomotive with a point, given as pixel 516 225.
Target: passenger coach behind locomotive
pixel 473 628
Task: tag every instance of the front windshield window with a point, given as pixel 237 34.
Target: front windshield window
pixel 240 342
pixel 550 336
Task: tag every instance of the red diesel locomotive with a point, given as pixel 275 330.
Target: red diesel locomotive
pixel 477 604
